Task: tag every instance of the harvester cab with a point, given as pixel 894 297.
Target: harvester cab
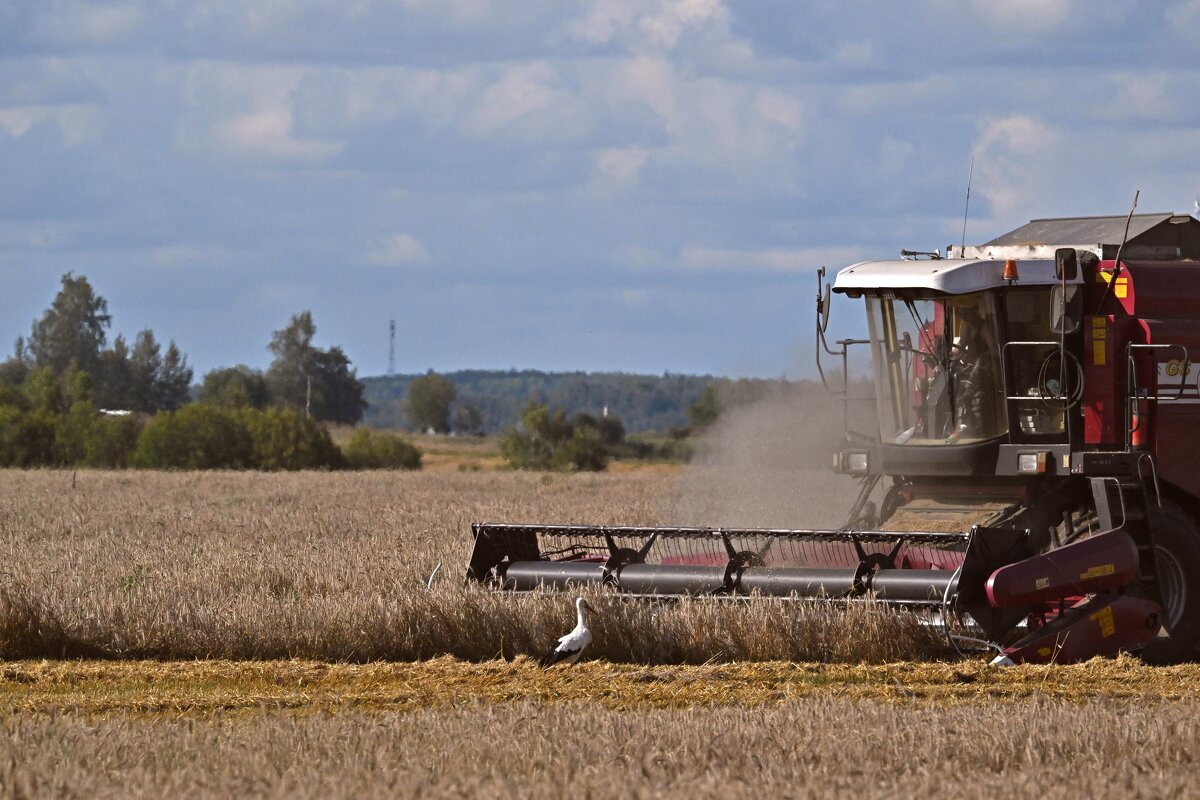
pixel 1024 454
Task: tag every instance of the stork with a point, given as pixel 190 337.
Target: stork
pixel 570 647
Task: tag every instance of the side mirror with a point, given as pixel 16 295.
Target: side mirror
pixel 1066 264
pixel 823 298
pixel 1066 310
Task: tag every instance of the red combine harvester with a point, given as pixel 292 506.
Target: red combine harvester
pixel 1033 474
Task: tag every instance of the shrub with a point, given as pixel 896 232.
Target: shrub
pixel 367 450
pixel 26 438
pixel 110 440
pixel 548 440
pixel 288 440
pixel 194 437
pixel 71 432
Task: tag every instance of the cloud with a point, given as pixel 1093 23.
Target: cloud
pixel 1040 16
pixel 521 91
pixel 268 132
pixel 646 24
pixel 248 113
pixel 75 122
pixel 1007 160
pixel 618 168
pixel 399 250
pixel 78 23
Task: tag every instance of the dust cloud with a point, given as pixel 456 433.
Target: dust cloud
pixel 769 464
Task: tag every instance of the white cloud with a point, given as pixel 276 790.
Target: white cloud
pixel 67 23
pixel 618 169
pixel 1007 162
pixel 1038 16
pixel 76 122
pixel 399 250
pixel 642 25
pixel 247 112
pixel 1184 19
pixel 521 91
pixel 673 18
pixel 268 132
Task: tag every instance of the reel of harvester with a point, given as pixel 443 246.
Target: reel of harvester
pixel 908 567
pixel 987 578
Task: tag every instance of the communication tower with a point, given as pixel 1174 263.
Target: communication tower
pixel 391 347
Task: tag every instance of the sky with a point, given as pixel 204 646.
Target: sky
pixel 642 186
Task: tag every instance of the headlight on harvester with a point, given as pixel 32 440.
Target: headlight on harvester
pixel 1031 463
pixel 850 462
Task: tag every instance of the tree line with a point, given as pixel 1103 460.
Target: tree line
pixel 70 397
pixel 492 401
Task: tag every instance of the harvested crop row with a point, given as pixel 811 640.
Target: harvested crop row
pixel 199 687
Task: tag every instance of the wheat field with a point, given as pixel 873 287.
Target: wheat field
pixel 271 635
pixel 825 748
pixel 334 566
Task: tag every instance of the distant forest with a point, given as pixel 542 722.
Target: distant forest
pixel 642 402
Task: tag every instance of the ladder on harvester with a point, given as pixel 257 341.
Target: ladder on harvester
pixel 1124 502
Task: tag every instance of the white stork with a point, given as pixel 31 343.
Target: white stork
pixel 570 647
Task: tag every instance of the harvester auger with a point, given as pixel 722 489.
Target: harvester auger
pixel 1033 449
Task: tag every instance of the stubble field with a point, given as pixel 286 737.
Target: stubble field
pixel 221 633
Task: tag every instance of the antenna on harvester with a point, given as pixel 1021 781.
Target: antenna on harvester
pixel 967 204
pixel 391 347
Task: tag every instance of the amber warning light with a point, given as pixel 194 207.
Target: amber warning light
pixel 1010 270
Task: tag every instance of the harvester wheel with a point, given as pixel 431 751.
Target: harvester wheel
pixel 1177 560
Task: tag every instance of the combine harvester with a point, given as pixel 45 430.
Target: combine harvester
pixel 1036 458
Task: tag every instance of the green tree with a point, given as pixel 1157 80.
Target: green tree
pixel 292 367
pixel 72 329
pixel 367 450
pixel 194 437
pixel 142 366
pixel 172 380
pixel 43 390
pixel 429 399
pixel 468 420
pixel 706 409
pixel 235 387
pixel 110 440
pixel 286 439
pixel 26 437
pixel 115 383
pixel 14 370
pixel 302 376
pixel 337 391
pixel 547 440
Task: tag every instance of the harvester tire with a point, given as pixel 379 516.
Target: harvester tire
pixel 1177 559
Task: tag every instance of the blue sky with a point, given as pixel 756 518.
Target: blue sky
pixel 617 184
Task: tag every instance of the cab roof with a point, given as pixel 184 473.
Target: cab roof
pixel 944 275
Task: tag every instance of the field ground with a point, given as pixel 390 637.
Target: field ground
pixel 226 634
pixel 199 687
